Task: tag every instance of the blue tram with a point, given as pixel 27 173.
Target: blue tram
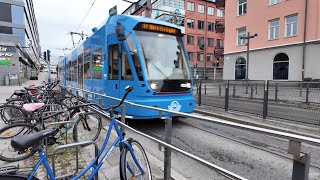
pixel 131 50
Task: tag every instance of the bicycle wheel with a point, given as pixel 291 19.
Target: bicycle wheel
pixel 12 114
pixel 7 152
pixel 87 127
pixel 128 168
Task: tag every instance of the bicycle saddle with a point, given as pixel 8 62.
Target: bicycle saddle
pixel 23 142
pixel 30 107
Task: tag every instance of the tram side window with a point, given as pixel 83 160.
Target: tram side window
pixel 74 67
pixel 126 69
pixel 86 67
pixel 69 71
pixel 113 62
pixel 96 64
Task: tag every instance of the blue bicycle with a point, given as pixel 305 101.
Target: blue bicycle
pixel 134 163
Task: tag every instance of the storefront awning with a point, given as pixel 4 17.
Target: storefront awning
pixel 24 61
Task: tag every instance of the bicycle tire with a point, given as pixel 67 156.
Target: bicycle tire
pixel 126 160
pixel 5 142
pixel 16 177
pixel 88 127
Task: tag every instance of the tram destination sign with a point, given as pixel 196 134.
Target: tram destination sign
pixel 157 28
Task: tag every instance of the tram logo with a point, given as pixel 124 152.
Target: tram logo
pixel 174 106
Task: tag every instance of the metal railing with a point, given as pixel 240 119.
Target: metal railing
pixel 301 161
pixel 289 100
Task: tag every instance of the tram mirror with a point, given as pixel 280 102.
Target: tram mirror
pixel 120 33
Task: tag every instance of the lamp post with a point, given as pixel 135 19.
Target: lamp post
pixel 248 37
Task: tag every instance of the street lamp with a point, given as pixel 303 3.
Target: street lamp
pixel 248 37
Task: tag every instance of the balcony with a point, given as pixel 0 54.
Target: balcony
pixel 220 26
pixel 220 3
pixel 218 51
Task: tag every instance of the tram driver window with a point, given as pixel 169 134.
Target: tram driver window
pixel 126 69
pixel 86 67
pixel 113 62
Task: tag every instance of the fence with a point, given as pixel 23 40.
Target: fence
pixel 301 161
pixel 290 100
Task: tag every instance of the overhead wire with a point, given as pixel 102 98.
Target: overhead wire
pixel 82 21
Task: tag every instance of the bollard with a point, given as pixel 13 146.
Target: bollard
pixel 307 93
pixel 251 93
pixel 100 101
pixel 167 150
pixel 300 90
pixel 199 96
pixel 265 101
pixel 197 85
pixel 123 118
pixel 234 91
pixel 247 91
pixel 205 89
pixel 219 90
pixel 301 161
pixel 226 100
pixel 276 93
pixel 256 88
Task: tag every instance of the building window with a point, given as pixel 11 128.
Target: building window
pixel 200 24
pixel 219 13
pixel 17 14
pixel 201 8
pixel 242 7
pixel 210 26
pixel 210 42
pixel 190 39
pixel 219 43
pixel 280 66
pixel 240 68
pixel 200 40
pixel 210 11
pixel 5 30
pixel 191 55
pixel 274 29
pixel 21 34
pixel 241 33
pixel 190 23
pixel 272 2
pixel 209 57
pixel 200 56
pixel 291 25
pixel 5 10
pixel 190 6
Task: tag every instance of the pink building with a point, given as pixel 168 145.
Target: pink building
pixel 287 45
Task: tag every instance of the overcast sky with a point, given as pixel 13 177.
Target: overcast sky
pixel 56 18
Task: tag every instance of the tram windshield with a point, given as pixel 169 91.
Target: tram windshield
pixel 163 55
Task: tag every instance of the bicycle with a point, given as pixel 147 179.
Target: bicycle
pixel 130 166
pixel 87 127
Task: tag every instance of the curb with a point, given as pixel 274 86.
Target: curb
pixel 242 121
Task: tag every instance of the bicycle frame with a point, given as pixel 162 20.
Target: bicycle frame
pixel 94 165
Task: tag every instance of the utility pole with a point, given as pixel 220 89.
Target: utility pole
pixel 205 40
pixel 248 37
pixel 149 8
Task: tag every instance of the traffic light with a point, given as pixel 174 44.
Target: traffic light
pixel 48 55
pixel 45 55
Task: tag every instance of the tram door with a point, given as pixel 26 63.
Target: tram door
pixel 113 71
pixel 80 71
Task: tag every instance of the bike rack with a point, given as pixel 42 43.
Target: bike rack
pixel 67 146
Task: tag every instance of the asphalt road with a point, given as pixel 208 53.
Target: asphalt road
pixel 248 154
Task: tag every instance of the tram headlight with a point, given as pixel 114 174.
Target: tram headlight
pixel 153 86
pixel 189 85
pixel 186 85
